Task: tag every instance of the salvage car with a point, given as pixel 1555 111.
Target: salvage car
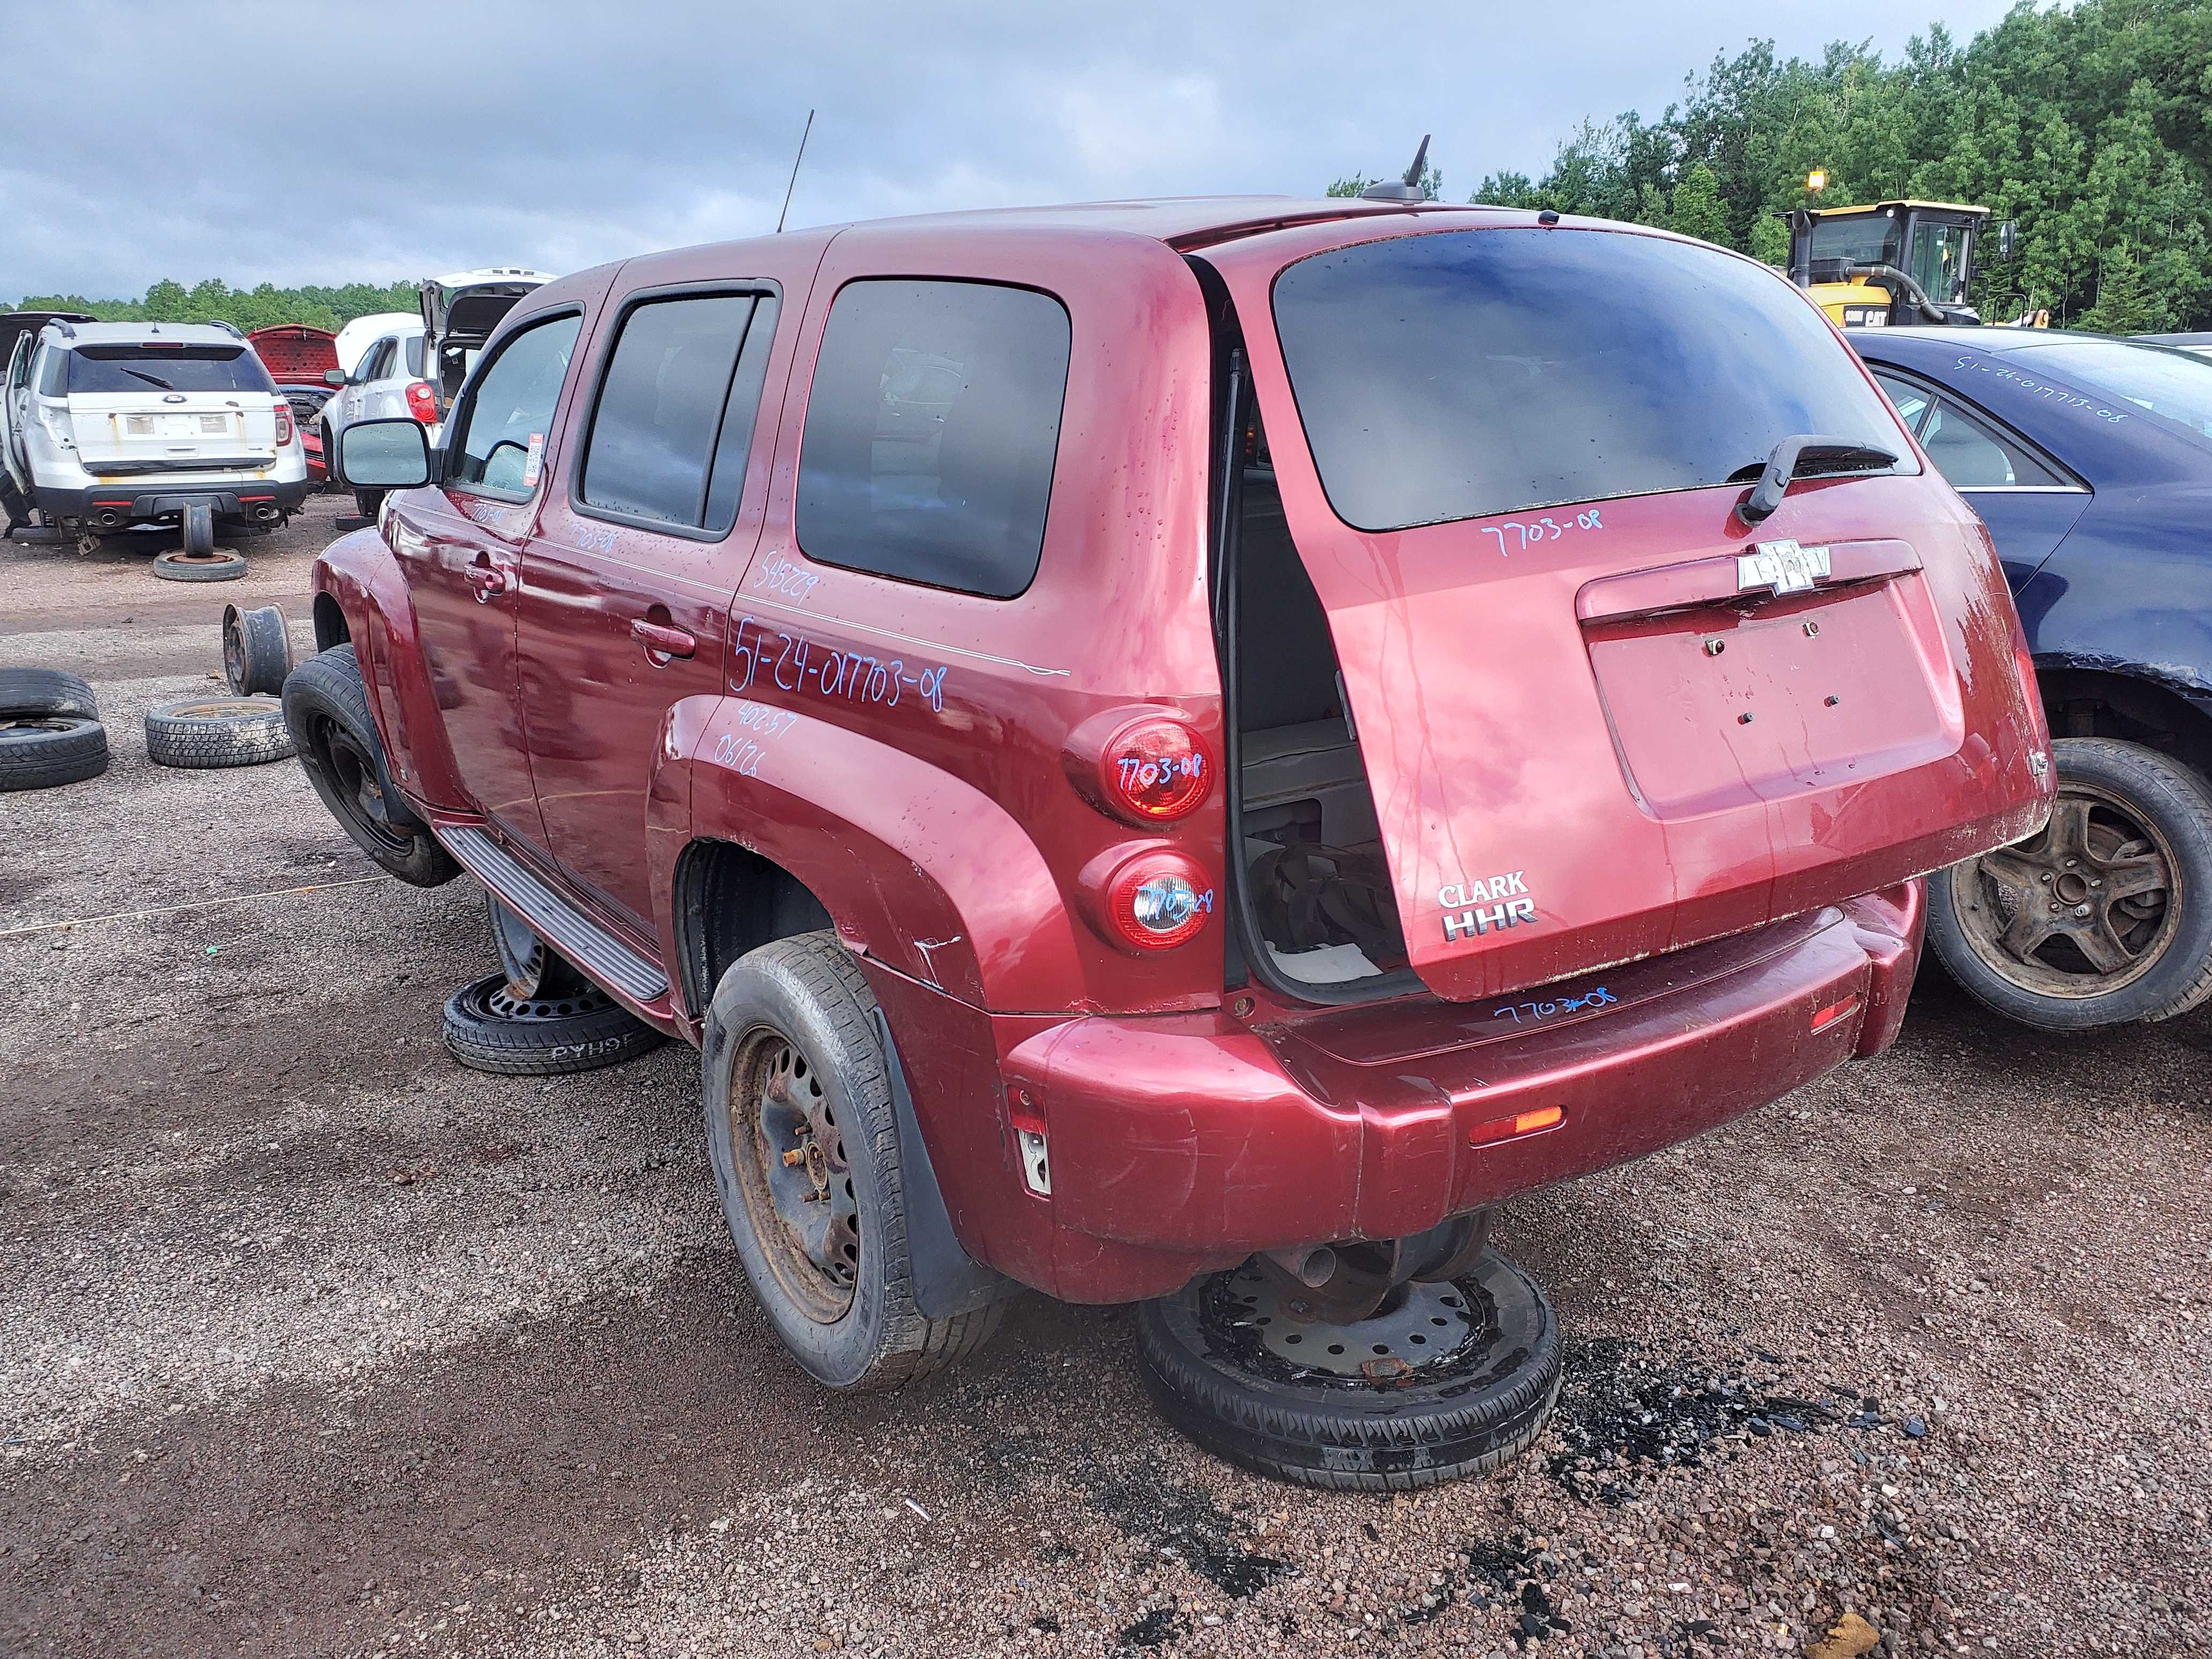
pixel 104 426
pixel 1183 752
pixel 386 382
pixel 299 360
pixel 2090 460
pixel 14 504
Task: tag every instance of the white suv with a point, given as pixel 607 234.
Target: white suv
pixel 386 383
pixel 106 425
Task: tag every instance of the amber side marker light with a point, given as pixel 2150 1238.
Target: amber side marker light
pixel 1835 1010
pixel 1527 1123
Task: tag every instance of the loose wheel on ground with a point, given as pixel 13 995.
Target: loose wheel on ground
pixel 534 968
pixel 213 732
pixel 257 649
pixel 490 1029
pixel 803 1139
pixel 39 750
pixel 2104 917
pixel 1445 1381
pixel 326 707
pixel 221 565
pixel 198 530
pixel 45 691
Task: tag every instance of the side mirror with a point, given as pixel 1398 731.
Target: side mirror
pixel 392 454
pixel 334 377
pixel 2007 238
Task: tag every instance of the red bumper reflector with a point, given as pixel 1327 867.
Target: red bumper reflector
pixel 1527 1123
pixel 1834 1011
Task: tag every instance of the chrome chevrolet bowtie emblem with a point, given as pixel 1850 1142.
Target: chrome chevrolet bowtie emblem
pixel 1782 566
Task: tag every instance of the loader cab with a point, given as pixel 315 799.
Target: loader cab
pixel 1888 263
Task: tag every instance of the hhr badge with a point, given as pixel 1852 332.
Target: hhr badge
pixel 1782 566
pixel 1491 903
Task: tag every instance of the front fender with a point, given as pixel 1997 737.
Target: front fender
pixel 919 869
pixel 359 572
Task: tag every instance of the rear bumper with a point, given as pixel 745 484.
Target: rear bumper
pixel 1199 1135
pixel 133 501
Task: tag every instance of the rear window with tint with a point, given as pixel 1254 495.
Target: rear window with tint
pixel 414 355
pixel 1467 372
pixel 186 369
pixel 931 431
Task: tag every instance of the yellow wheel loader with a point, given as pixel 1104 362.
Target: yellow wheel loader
pixel 1890 264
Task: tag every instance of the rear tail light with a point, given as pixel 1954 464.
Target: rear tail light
pixel 284 423
pixel 1158 900
pixel 423 402
pixel 1155 770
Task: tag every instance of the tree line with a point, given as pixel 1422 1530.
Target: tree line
pixel 2090 125
pixel 213 301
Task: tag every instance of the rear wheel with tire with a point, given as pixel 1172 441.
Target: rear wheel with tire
pixel 1445 1381
pixel 39 750
pixel 45 691
pixel 215 732
pixel 488 1028
pixel 803 1139
pixel 326 707
pixel 2104 917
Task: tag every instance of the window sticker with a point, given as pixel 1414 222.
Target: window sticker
pixel 533 460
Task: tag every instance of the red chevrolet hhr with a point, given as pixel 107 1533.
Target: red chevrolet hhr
pixel 1179 752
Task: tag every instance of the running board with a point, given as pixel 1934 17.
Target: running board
pixel 566 928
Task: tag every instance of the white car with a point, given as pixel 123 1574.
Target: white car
pixel 386 383
pixel 106 425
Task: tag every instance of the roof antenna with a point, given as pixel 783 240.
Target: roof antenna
pixel 801 156
pixel 1408 189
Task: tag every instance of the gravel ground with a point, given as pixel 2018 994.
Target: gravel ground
pixel 311 1342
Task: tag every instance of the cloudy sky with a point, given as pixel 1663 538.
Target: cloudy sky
pixel 307 142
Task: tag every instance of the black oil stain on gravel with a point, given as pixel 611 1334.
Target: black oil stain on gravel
pixel 1184 1522
pixel 1626 1415
pixel 1156 1629
pixel 1510 1575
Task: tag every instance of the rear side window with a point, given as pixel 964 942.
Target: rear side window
pixel 931 431
pixel 1975 455
pixel 1466 372
pixel 166 368
pixel 414 355
pixel 503 441
pixel 674 424
pixel 52 372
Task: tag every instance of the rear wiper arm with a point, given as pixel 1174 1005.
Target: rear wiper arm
pixel 1802 455
pixel 150 379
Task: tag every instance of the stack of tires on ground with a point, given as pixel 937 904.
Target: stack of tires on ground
pixel 50 729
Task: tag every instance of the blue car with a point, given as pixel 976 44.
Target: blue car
pixel 2090 460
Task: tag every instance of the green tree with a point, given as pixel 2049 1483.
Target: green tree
pixel 1697 209
pixel 2123 306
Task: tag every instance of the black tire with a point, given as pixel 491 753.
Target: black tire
pixel 488 1029
pixel 2126 815
pixel 205 732
pixel 198 530
pixel 1465 1415
pixel 326 707
pixel 330 461
pixel 534 968
pixel 38 750
pixel 222 566
pixel 257 650
pixel 367 501
pixel 45 691
pixel 14 506
pixel 790 1025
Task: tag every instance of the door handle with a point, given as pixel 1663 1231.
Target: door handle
pixel 661 641
pixel 488 577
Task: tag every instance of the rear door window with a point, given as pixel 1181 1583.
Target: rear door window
pixel 414 355
pixel 1461 374
pixel 930 432
pixel 673 427
pixel 1912 403
pixel 502 442
pixel 166 368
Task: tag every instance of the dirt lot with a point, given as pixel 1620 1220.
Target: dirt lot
pixel 311 1342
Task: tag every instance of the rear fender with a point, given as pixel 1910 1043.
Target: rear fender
pixel 920 871
pixel 359 573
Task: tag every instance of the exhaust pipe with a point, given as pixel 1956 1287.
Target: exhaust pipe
pixel 266 514
pixel 109 518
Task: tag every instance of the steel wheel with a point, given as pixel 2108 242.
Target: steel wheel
pixel 797 1180
pixel 352 769
pixel 2088 906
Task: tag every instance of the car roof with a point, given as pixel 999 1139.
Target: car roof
pixel 132 333
pixel 1181 221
